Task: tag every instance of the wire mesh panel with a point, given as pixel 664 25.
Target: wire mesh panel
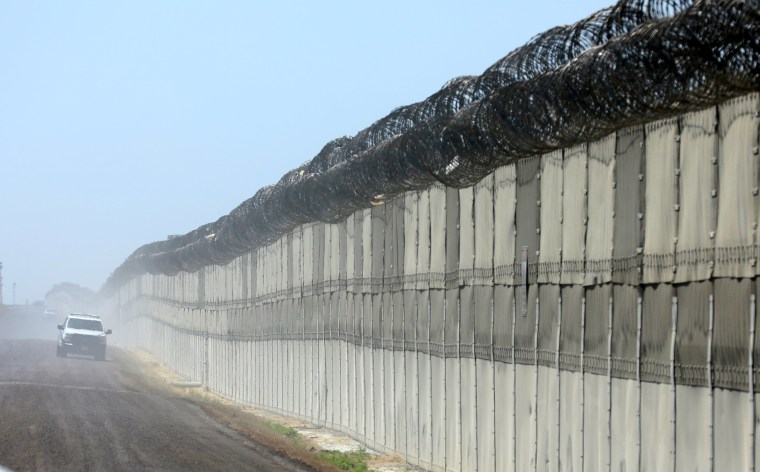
pixel 655 333
pixel 732 432
pixel 505 199
pixel 399 243
pixel 453 417
pixel 596 337
pixel 411 375
pixel 367 250
pixel 453 238
pixel 466 225
pixel 503 313
pixel 467 382
pixel 351 254
pixel 310 354
pixel 698 214
pixel 527 214
pixel 424 230
pixel 624 419
pixel 253 281
pixel 322 360
pixel 483 222
pixel 483 321
pixel 354 368
pixel 307 261
pixel 467 322
pixel 438 237
pixel 378 248
pixel 411 227
pixel 661 213
pixel 574 214
pixel 692 332
pixel 358 253
pixel 483 298
pixel 550 256
pixel 265 281
pixel 318 256
pixel 244 282
pixel 299 357
pixel 378 372
pixel 693 405
pixel 343 247
pixel 282 350
pixel 438 376
pixel 332 257
pixel 368 365
pixel 452 321
pixel 271 266
pixel 525 328
pixel 282 271
pixel 547 394
pixel 624 341
pixel 571 407
pixel 629 206
pixel 525 416
pixel 504 423
pixel 485 420
pixel 333 359
pixel 738 188
pixel 397 361
pixel 571 335
pixel 390 276
pixel 328 255
pixel 730 343
pixel 548 325
pixel 596 453
pixel 599 232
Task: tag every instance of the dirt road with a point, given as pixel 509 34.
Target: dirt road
pixel 79 414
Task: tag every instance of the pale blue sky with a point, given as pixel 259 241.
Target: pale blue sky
pixel 124 121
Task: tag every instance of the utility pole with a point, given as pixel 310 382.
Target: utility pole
pixel 14 293
pixel 1 283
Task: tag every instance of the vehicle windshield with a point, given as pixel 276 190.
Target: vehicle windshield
pixel 92 325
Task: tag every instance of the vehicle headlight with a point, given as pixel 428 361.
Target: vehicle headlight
pixel 67 337
pixel 102 339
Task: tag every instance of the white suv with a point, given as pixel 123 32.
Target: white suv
pixel 82 334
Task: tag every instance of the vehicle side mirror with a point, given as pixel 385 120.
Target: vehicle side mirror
pixel 108 331
pixel 60 326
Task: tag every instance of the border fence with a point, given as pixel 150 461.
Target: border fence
pixel 589 305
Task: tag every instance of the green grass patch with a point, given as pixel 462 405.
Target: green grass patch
pixel 351 461
pixel 284 430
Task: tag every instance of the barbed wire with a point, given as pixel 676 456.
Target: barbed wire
pixel 637 61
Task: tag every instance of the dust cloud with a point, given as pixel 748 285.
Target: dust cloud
pixel 27 322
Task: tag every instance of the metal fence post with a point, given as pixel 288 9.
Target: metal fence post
pixel 751 380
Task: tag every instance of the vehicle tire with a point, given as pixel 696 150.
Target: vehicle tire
pixel 60 352
pixel 101 356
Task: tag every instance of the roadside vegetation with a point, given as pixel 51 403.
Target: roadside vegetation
pixel 149 375
pixel 351 461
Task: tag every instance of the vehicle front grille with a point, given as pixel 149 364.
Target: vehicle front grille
pixel 84 340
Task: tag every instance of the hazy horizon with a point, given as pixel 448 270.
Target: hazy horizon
pixel 121 124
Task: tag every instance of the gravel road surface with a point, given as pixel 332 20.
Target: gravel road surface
pixel 76 413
